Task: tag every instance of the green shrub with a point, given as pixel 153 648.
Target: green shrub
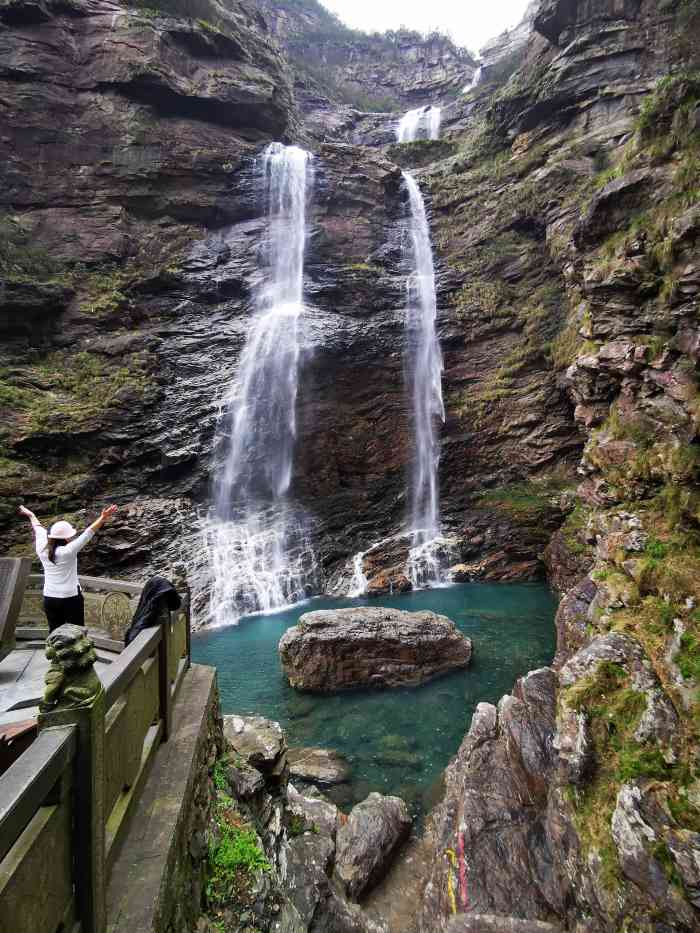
pixel 656 549
pixel 606 678
pixel 688 658
pixel 234 858
pixel 219 775
pixel 296 825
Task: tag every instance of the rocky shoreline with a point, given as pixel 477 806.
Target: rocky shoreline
pixel 313 862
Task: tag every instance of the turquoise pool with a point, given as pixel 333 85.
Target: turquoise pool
pixel 397 741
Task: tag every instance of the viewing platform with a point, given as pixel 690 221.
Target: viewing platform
pixel 97 796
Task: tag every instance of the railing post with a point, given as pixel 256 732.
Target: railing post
pixel 187 607
pixel 183 588
pixel 74 696
pixel 166 697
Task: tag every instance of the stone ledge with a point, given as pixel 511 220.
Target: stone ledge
pixel 154 886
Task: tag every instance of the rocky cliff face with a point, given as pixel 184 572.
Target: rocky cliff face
pixel 131 234
pixel 574 803
pixel 504 52
pixel 390 71
pixel 564 212
pixel 127 148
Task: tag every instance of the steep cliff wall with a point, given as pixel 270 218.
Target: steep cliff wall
pixel 390 71
pixel 131 233
pixel 575 802
pixel 564 212
pixel 128 138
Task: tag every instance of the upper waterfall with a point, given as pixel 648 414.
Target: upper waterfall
pixel 425 374
pixel 423 120
pixel 475 81
pixel 259 552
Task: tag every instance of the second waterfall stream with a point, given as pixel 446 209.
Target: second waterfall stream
pixel 424 364
pixel 260 554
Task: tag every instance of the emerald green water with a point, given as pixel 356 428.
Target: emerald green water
pixel 398 741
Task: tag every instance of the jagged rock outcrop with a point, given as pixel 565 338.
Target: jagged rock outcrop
pixel 302 853
pixel 368 840
pixel 341 649
pixel 501 55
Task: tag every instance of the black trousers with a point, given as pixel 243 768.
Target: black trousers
pixel 61 610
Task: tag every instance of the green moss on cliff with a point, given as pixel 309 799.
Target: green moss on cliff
pixel 235 857
pixel 22 259
pixel 613 708
pixel 69 390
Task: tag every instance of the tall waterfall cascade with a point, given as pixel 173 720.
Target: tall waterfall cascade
pixel 260 552
pixel 425 380
pixel 422 123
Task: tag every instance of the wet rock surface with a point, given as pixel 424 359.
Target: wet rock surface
pixel 341 649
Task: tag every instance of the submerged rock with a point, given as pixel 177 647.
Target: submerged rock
pixel 339 649
pixel 368 840
pixel 320 766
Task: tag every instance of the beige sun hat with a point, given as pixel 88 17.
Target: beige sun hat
pixel 62 530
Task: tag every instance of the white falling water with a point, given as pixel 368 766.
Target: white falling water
pixel 259 551
pixel 425 369
pixel 358 584
pixel 359 581
pixel 474 82
pixel 423 122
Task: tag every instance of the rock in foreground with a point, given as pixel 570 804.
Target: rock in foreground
pixel 260 742
pixel 368 840
pixel 338 649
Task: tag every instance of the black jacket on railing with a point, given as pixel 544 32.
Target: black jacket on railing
pixel 159 596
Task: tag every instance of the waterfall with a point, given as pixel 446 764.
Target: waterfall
pixel 474 82
pixel 424 120
pixel 259 549
pixel 358 584
pixel 425 378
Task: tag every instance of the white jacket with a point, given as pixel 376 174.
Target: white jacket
pixel 61 578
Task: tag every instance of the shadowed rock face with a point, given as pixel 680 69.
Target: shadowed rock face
pixel 338 649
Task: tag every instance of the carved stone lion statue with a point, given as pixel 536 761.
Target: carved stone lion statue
pixel 71 681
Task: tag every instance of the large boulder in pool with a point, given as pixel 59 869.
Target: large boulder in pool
pixel 368 646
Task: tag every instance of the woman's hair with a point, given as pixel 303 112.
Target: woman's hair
pixel 52 544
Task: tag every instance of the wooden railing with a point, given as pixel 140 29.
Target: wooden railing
pixel 65 803
pixel 37 874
